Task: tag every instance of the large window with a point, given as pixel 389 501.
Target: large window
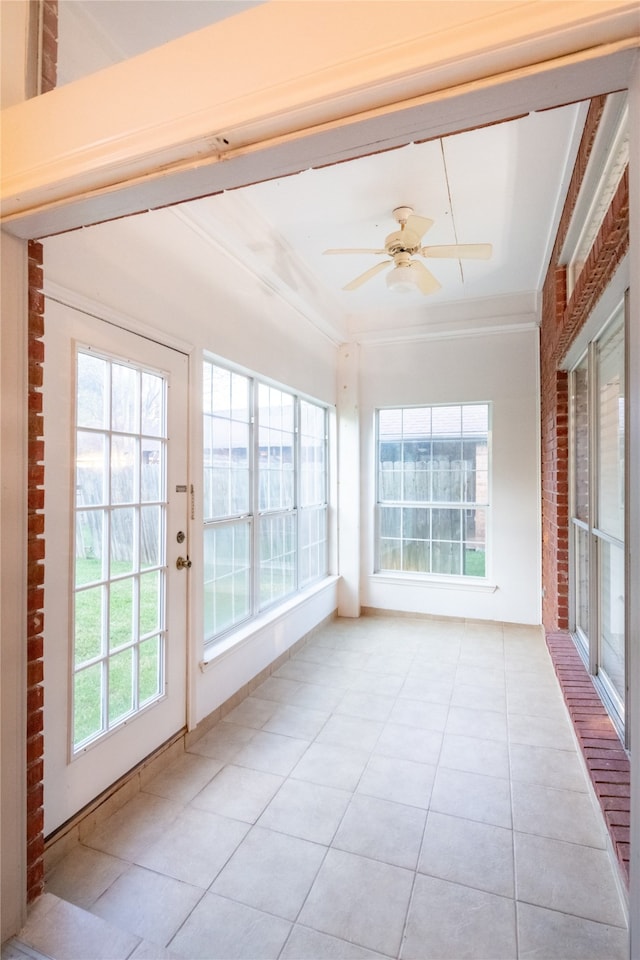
pixel 598 512
pixel 433 489
pixel 265 496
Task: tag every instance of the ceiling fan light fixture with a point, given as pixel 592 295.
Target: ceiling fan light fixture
pixel 402 279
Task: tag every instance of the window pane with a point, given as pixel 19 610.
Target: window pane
pixel 611 589
pixel 125 398
pixel 92 410
pixel 429 456
pixel 150 670
pixel 611 434
pixel 90 469
pixel 152 405
pixel 580 413
pixel 88 613
pixel 277 557
pixel 119 462
pixel 89 546
pixel 227 581
pixel 87 703
pixel 121 686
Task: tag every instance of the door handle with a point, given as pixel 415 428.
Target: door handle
pixel 183 564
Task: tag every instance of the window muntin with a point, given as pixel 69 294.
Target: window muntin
pixel 433 489
pixel 265 496
pixel 119 521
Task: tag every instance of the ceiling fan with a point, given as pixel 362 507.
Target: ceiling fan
pixel 402 245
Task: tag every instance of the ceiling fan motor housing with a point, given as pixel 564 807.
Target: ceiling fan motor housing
pixel 402 241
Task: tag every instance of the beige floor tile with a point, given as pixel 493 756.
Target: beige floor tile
pixel 409 743
pixel 559 814
pixel 379 684
pixel 552 732
pixel 366 706
pixel 184 778
pixel 489 757
pixel 487 724
pixel 271 753
pixel 147 904
pixel 420 713
pixel 428 689
pixel 133 827
pixel 381 830
pixel 359 900
pixel 401 781
pixel 223 741
pixel 146 950
pixel 567 877
pixel 64 931
pixel 314 696
pixel 559 936
pixel 239 793
pixel 279 689
pixel 219 929
pixel 562 769
pixel 475 854
pixel 195 847
pixel 348 731
pixel 299 722
pixel 454 922
pixel 472 797
pixel 271 871
pixel 306 810
pixel 480 677
pixel 331 765
pixel 252 712
pixel 476 697
pixel 307 944
pixel 83 875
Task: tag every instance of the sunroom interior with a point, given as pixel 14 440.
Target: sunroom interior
pixel 232 302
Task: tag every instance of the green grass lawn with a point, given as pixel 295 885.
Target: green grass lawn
pixel 117 671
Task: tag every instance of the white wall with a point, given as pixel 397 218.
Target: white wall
pixel 499 368
pixel 154 274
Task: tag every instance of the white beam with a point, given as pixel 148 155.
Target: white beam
pixel 284 86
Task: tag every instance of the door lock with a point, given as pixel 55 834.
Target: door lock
pixel 180 536
pixel 183 564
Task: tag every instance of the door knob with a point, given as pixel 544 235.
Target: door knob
pixel 183 564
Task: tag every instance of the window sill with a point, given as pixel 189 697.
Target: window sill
pixel 471 584
pixel 214 652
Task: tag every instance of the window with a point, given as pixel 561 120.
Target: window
pixel 598 512
pixel 119 570
pixel 433 489
pixel 265 496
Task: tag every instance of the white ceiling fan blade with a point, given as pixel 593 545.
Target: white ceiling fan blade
pixel 418 225
pixel 354 250
pixel 371 272
pixel 427 283
pixel 460 251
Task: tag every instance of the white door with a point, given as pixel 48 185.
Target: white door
pixel 115 410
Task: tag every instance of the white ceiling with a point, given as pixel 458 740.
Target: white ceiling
pixel 504 185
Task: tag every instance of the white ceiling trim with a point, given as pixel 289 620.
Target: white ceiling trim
pixel 67 297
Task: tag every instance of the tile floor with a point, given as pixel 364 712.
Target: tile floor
pixel 401 788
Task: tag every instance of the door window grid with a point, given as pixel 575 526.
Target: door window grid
pixel 119 524
pixel 271 538
pixel 433 489
pixel 597 512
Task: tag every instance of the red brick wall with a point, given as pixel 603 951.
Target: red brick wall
pixel 35 580
pixel 35 506
pixel 561 323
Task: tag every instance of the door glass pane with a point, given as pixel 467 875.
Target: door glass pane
pixel 612 615
pixel 581 579
pixel 580 415
pixel 116 468
pixel 611 434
